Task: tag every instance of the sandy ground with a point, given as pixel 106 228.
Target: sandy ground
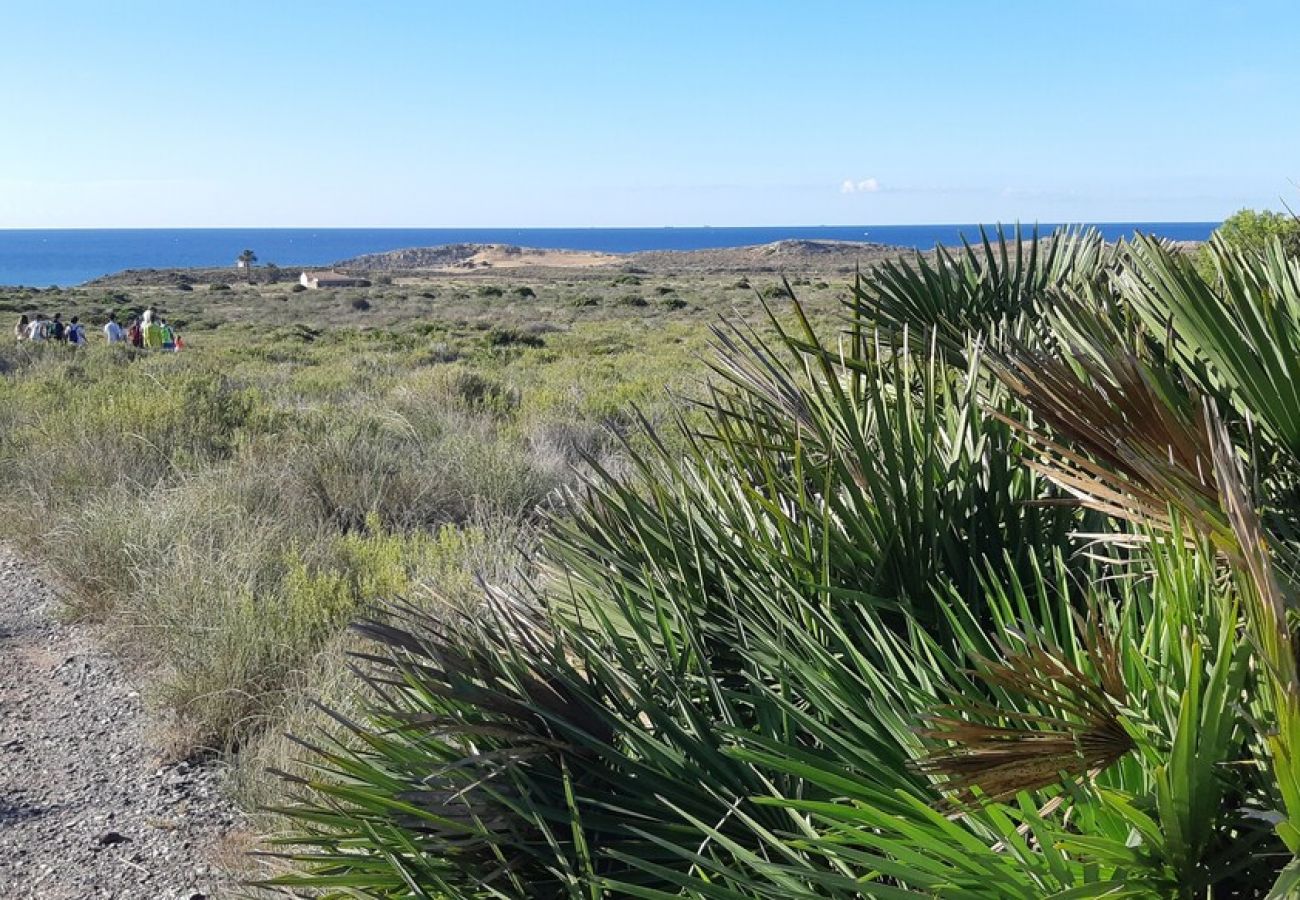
pixel 500 258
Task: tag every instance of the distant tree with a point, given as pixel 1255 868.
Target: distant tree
pixel 1254 229
pixel 1251 230
pixel 248 258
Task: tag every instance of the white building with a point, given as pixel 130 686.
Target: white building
pixel 330 279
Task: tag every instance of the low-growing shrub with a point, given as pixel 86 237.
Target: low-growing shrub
pixel 360 304
pixel 510 337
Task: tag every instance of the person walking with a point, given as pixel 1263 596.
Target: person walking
pixel 153 334
pixel 113 331
pixel 36 331
pixel 54 328
pixel 75 333
pixel 135 333
pixel 20 330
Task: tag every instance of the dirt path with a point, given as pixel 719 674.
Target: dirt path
pixel 86 807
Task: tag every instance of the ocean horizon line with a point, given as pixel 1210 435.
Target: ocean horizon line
pixel 995 223
pixel 63 257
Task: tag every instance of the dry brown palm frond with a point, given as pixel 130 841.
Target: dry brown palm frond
pixel 1074 731
pixel 1113 437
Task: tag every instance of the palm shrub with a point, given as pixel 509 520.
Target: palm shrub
pixel 987 596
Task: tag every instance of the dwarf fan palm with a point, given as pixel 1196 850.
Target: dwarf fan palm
pixel 973 601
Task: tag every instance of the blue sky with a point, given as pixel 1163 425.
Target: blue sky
pixel 142 114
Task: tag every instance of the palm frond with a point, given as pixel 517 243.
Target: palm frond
pixel 1075 728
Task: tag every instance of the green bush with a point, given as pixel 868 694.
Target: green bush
pixel 509 337
pixel 1253 230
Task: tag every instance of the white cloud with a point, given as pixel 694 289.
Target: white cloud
pixel 865 186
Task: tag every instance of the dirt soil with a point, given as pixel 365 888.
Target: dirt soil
pixel 87 807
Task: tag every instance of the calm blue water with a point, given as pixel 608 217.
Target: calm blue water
pixel 42 257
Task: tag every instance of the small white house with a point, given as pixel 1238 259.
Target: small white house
pixel 330 279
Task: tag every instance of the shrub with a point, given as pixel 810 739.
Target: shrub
pixel 489 290
pixel 525 292
pixel 508 337
pixel 1253 230
pixel 298 288
pixel 218 286
pixel 635 300
pixel 360 304
pixel 437 353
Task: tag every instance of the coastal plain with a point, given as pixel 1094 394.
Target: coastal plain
pixel 221 513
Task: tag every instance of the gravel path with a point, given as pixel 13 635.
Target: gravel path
pixel 87 810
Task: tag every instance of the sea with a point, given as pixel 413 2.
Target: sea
pixel 67 257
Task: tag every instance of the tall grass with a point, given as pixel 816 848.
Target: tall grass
pixel 225 514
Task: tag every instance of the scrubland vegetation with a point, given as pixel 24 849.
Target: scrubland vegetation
pixel 975 581
pixel 225 511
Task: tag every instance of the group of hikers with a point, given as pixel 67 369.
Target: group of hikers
pixel 148 331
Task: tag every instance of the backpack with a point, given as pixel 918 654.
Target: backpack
pixel 133 335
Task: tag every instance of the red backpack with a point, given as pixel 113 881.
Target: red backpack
pixel 134 336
